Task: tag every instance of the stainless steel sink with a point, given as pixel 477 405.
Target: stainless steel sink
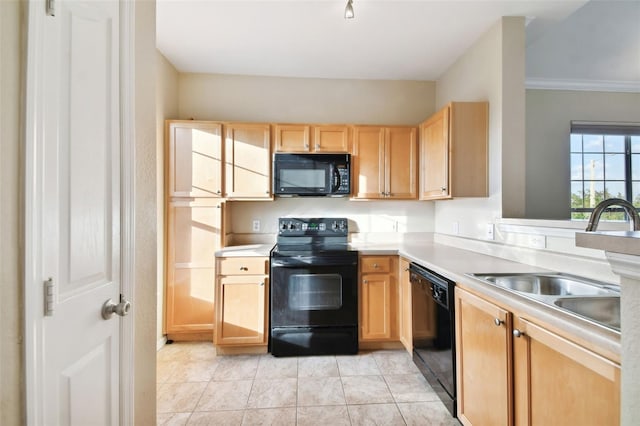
pixel 605 310
pixel 593 300
pixel 544 284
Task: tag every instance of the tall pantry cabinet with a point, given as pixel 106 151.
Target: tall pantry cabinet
pixel 194 226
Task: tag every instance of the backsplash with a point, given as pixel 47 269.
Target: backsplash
pixel 364 216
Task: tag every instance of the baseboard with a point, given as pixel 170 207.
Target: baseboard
pixel 161 342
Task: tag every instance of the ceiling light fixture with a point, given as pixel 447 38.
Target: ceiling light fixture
pixel 348 11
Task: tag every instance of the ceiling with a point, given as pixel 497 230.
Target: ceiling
pixel 387 40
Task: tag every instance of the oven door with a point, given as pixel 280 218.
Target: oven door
pixel 314 291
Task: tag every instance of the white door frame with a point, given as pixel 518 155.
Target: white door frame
pixel 33 88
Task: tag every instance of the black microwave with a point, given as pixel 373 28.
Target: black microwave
pixel 325 175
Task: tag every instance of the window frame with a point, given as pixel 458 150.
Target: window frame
pixel 628 131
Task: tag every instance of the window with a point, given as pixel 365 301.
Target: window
pixel 605 163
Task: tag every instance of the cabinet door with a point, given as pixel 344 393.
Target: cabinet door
pixel 330 139
pixel 559 382
pixel 241 310
pixel 292 138
pixel 247 161
pixel 483 345
pixel 376 295
pixel 406 310
pixel 368 162
pixel 434 155
pixel 193 236
pixel 401 155
pixel 194 159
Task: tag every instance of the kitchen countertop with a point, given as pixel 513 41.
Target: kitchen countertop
pixel 624 242
pixel 249 250
pixel 454 263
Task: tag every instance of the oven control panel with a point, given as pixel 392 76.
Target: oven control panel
pixel 291 226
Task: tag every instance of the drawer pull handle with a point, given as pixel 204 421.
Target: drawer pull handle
pixel 518 333
pixel 244 268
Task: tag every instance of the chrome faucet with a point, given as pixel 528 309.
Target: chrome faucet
pixel 603 205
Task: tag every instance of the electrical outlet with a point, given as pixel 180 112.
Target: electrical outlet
pixel 489 231
pixel 537 241
pixel 256 225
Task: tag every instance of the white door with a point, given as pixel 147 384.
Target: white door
pixel 73 210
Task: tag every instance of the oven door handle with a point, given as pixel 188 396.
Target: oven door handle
pixel 310 261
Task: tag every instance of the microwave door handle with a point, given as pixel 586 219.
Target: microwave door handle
pixel 336 179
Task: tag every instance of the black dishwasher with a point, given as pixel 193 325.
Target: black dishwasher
pixel 433 319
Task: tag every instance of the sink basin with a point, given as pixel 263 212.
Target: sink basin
pixel 605 310
pixel 592 300
pixel 544 284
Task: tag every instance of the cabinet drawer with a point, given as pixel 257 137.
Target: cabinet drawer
pixel 373 264
pixel 243 266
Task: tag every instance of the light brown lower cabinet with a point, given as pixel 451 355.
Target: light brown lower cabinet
pixel 242 289
pixel 537 378
pixel 559 382
pixel 406 334
pixel 378 297
pixel 193 236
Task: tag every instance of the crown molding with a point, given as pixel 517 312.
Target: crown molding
pixel 585 85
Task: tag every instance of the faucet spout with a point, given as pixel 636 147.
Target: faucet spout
pixel 631 211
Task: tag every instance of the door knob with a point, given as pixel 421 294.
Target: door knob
pixel 109 308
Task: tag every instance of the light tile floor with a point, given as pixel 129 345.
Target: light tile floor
pixel 196 387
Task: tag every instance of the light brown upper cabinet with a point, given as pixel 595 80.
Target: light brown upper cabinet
pixel 454 152
pixel 385 162
pixel 194 158
pixel 311 138
pixel 247 161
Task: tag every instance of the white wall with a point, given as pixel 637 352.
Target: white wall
pixel 366 217
pixel 146 214
pixel 549 114
pixel 491 70
pixel 11 294
pixel 304 100
pixel 166 108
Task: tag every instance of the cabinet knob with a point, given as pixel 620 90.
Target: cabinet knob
pixel 317 146
pixel 218 192
pixel 497 322
pixel 244 268
pixel 443 189
pixel 375 265
pixel 365 281
pixel 262 284
pixel 306 145
pixel 518 333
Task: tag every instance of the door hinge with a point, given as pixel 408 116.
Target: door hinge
pixel 49 297
pixel 51 7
